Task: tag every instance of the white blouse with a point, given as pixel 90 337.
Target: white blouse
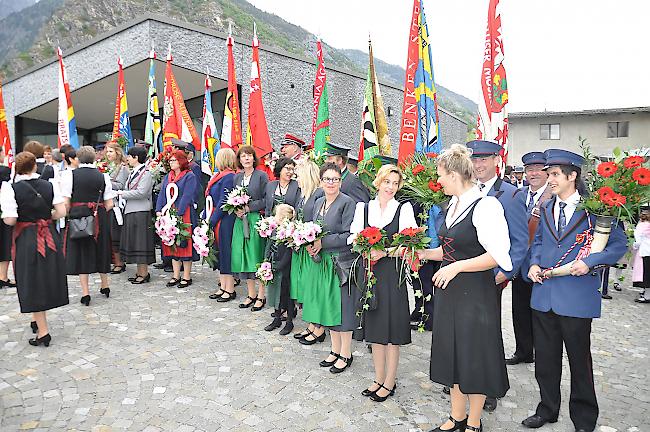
pixel 490 223
pixel 8 198
pixel 66 184
pixel 380 219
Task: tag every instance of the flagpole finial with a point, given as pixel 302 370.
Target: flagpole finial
pixel 152 53
pixel 229 28
pixel 254 29
pixel 169 52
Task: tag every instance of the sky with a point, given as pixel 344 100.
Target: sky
pixel 560 55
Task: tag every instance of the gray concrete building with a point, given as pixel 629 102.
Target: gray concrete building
pixel 604 130
pixel 287 82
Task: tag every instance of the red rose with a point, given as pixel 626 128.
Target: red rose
pixel 607 169
pixel 417 169
pixel 642 176
pixel 633 161
pixel 434 186
pixel 617 200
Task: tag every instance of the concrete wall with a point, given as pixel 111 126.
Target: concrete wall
pixel 286 81
pixel 525 133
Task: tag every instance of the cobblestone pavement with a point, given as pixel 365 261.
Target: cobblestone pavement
pixel 153 358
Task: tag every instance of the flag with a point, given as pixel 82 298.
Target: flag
pixel 121 123
pixel 320 125
pixel 152 127
pixel 258 132
pixel 67 126
pixel 177 122
pixel 419 131
pixel 374 127
pixel 4 133
pixel 492 123
pixel 209 135
pixel 231 125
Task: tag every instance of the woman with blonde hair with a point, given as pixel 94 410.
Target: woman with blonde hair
pixel 388 326
pixel 221 222
pixel 467 348
pixel 308 180
pixel 118 172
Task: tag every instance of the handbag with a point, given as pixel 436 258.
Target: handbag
pixel 84 227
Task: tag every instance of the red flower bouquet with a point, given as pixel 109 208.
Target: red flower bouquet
pixel 371 238
pixel 421 181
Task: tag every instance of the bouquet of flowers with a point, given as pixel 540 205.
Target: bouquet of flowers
pixel 409 241
pixel 171 229
pixel 266 226
pixel 371 238
pixel 159 166
pixel 203 240
pixel 265 273
pixel 306 233
pixel 284 233
pixel 421 181
pixel 102 166
pixel 238 199
pixel 617 191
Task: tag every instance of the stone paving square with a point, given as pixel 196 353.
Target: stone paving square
pixel 151 358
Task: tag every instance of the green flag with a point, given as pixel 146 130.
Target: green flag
pixel 320 130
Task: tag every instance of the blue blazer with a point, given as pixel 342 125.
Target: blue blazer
pixel 572 296
pixel 514 208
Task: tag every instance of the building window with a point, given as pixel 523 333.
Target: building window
pixel 618 129
pixel 549 131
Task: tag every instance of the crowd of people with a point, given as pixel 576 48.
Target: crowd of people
pixel 61 209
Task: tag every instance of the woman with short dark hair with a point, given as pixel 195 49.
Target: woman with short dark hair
pixel 247 253
pixel 88 192
pixel 188 185
pixel 137 237
pixel 31 204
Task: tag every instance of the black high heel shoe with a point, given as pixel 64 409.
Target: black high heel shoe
pixel 173 282
pixel 474 428
pixel 276 323
pixel 259 308
pixel 231 296
pixel 45 340
pixel 301 335
pixel 288 328
pixel 347 361
pixel 118 269
pixel 247 305
pixel 140 279
pixel 85 300
pixel 317 339
pixel 459 426
pixel 184 283
pixel 34 326
pixel 325 363
pixel 375 397
pixel 106 291
pixel 368 392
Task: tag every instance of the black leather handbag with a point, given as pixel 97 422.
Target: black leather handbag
pixel 84 227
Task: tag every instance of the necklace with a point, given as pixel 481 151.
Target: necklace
pixel 326 207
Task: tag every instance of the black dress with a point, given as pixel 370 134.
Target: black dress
pixel 41 284
pixel 466 347
pixel 390 322
pixel 6 231
pixel 92 254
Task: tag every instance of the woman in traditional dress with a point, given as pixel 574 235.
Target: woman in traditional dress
pixel 31 204
pixel 285 189
pixel 88 192
pixel 137 242
pixel 332 301
pixel 467 348
pixel 247 253
pixel 38 150
pixel 308 179
pixel 222 222
pixel 118 173
pixel 388 326
pixel 6 231
pixel 187 184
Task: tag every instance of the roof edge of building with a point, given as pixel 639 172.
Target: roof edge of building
pixel 533 114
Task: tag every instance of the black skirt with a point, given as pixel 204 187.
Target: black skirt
pixel 41 285
pixel 137 241
pixel 86 256
pixel 389 323
pixel 116 232
pixel 6 233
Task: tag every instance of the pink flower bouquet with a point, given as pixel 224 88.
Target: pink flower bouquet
pixel 306 233
pixel 266 226
pixel 238 199
pixel 171 229
pixel 203 240
pixel 265 272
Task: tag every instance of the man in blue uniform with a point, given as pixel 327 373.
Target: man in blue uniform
pixel 563 306
pixel 485 158
pixel 534 196
pixel 351 185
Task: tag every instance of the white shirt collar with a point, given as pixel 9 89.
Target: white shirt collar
pixel 488 185
pixel 572 200
pixel 40 160
pixel 20 177
pixel 538 193
pixel 84 165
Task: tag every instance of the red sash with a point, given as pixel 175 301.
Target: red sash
pixel 43 236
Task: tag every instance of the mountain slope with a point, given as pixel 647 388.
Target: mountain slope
pixel 30 36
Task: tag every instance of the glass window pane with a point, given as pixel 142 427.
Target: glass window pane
pixel 623 128
pixel 544 132
pixel 611 130
pixel 555 131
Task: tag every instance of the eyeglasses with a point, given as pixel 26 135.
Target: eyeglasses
pixel 173 160
pixel 331 180
pixel 290 169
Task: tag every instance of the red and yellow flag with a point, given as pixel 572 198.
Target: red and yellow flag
pixel 231 126
pixel 258 131
pixel 4 132
pixel 177 122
